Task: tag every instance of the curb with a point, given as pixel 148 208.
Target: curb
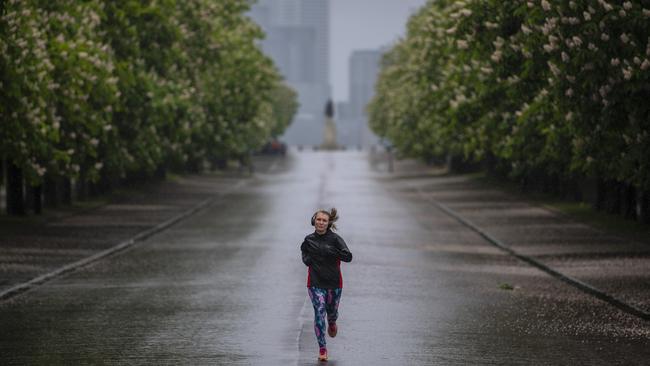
pixel 599 294
pixel 26 286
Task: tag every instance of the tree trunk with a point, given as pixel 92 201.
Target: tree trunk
pixel 2 172
pixel 15 192
pixel 104 185
pixel 614 197
pixel 161 172
pixel 221 164
pixel 3 184
pixel 66 191
pixel 628 201
pixel 50 191
pixel 643 206
pixel 81 186
pixel 37 199
pixel 599 203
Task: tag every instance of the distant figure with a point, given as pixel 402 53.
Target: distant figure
pixel 322 252
pixel 329 109
pixel 329 138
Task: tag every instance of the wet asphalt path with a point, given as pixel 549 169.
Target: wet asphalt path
pixel 227 286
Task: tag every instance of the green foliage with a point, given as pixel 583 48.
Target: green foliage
pixel 541 85
pixel 97 88
pixel 506 286
pixel 284 101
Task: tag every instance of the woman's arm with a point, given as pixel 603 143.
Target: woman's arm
pixel 344 253
pixel 306 258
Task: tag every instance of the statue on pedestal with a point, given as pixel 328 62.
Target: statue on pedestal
pixel 329 133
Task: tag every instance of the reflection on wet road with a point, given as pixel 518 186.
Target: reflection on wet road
pixel 227 287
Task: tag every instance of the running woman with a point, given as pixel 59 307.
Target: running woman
pixel 322 251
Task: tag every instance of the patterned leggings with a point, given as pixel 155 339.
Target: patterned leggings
pixel 325 301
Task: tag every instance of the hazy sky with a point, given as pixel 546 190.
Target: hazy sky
pixel 363 24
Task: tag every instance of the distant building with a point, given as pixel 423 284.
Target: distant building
pixel 364 69
pixel 298 42
pixel 353 121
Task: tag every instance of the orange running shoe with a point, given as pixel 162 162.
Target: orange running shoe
pixel 322 354
pixel 332 329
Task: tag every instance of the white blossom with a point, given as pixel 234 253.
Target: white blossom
pixel 525 29
pixel 565 57
pixel 604 37
pixel 549 25
pixel 586 15
pixel 627 5
pixel 498 43
pixel 546 5
pixel 568 92
pixel 625 38
pixel 554 69
pixel 605 5
pixel 615 62
pixel 496 56
pixel 645 64
pixel 39 169
pixel 486 70
pixel 569 116
pixel 513 79
pixel 627 73
pixel 577 41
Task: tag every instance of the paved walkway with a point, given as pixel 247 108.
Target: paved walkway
pixel 614 268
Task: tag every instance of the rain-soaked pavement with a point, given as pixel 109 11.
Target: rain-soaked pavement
pixel 227 287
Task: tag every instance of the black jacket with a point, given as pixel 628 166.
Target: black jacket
pixel 323 255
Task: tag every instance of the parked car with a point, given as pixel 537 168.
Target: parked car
pixel 274 147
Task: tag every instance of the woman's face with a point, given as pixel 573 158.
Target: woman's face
pixel 320 222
